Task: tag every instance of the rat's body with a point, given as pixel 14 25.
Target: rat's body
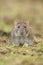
pixel 22 34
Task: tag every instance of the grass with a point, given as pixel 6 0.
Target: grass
pixel 21 56
pixel 4 27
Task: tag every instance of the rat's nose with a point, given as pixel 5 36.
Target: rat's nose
pixel 22 32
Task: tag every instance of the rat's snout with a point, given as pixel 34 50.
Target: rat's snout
pixel 22 32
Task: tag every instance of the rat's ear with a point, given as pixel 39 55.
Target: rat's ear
pixel 16 22
pixel 27 23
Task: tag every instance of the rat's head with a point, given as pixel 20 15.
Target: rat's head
pixel 21 27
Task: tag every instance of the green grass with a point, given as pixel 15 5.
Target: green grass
pixel 16 56
pixel 4 27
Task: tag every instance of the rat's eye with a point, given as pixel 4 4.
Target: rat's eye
pixel 18 26
pixel 24 26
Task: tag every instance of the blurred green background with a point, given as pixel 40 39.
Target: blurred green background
pixel 31 10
